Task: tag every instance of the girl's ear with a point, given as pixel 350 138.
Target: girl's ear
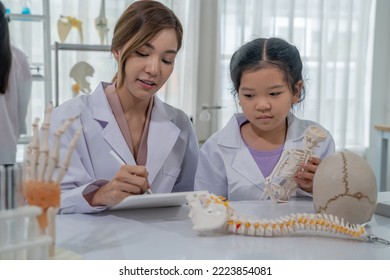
pixel 297 91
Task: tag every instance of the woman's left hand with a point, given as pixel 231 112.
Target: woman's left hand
pixel 304 178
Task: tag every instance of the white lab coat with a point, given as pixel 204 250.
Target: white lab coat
pixel 14 105
pixel 172 149
pixel 227 168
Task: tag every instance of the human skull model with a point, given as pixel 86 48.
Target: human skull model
pixel 344 185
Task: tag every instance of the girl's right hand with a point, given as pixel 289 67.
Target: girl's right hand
pixel 129 180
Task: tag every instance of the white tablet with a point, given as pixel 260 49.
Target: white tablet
pixel 153 200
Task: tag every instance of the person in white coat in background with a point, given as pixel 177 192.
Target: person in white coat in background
pixel 15 92
pixel 155 140
pixel 267 80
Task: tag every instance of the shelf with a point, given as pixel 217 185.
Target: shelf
pixel 72 47
pixel 24 17
pixel 81 47
pixel 38 77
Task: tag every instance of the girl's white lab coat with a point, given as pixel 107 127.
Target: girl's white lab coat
pixel 227 168
pixel 172 149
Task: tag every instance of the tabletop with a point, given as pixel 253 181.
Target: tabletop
pixel 166 233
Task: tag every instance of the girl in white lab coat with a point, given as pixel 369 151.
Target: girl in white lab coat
pixel 15 92
pixel 156 141
pixel 267 80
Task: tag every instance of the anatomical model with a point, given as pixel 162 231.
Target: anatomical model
pixel 40 188
pixel 280 184
pixel 101 24
pixel 65 24
pixel 211 214
pixel 79 72
pixel 345 185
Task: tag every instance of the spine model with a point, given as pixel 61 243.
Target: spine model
pixel 211 213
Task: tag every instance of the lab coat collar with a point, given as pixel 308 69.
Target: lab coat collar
pixel 163 133
pixel 230 136
pixel 102 112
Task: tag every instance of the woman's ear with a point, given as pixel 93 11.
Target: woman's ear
pixel 116 55
pixel 297 91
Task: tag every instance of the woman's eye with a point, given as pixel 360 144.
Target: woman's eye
pixel 141 54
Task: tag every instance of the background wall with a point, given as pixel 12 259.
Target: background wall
pixel 380 102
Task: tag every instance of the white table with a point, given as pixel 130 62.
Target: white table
pixel 166 233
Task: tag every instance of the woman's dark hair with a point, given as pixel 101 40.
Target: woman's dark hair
pixel 5 50
pixel 264 53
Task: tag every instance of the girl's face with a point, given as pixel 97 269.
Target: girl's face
pixel 266 99
pixel 149 67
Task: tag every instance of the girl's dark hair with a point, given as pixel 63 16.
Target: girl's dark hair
pixel 262 53
pixel 5 50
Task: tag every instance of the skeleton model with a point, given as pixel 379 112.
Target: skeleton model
pixel 79 73
pixel 65 24
pixel 210 213
pixel 40 188
pixel 101 24
pixel 280 185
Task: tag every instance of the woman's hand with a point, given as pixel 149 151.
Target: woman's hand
pixel 129 180
pixel 304 178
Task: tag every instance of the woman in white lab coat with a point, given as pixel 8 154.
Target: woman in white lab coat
pixel 15 92
pixel 267 79
pixel 155 140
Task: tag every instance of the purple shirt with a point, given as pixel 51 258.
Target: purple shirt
pixel 266 160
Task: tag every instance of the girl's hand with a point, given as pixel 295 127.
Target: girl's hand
pixel 129 180
pixel 304 178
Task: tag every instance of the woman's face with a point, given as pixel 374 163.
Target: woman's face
pixel 265 98
pixel 149 67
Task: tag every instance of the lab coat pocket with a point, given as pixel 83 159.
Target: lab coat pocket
pixel 245 192
pixel 169 177
pixel 172 172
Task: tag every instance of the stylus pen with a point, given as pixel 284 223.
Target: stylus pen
pixel 120 161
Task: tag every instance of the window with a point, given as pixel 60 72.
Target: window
pixel 334 38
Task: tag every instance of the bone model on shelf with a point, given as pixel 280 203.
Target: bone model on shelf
pixel 40 188
pixel 65 24
pixel 210 214
pixel 79 73
pixel 101 24
pixel 280 184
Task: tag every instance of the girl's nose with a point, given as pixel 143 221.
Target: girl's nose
pixel 263 105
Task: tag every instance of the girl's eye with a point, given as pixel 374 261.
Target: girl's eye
pixel 248 95
pixel 141 54
pixel 167 61
pixel 275 93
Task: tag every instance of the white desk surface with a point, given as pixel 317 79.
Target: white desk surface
pixel 166 233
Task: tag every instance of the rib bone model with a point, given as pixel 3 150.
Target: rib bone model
pixel 210 213
pixel 280 184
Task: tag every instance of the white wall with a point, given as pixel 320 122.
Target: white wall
pixel 380 102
